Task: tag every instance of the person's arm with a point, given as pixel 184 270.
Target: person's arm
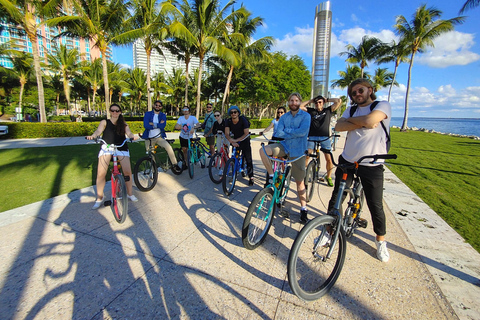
pixel 270 126
pixel 368 121
pixel 337 102
pixel 291 133
pixel 146 122
pixel 162 121
pixel 98 132
pixel 129 133
pixel 178 126
pixel 304 104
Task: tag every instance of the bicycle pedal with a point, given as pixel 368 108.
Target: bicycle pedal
pixel 362 223
pixel 107 203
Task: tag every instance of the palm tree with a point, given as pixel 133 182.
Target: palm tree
pixel 66 62
pixel 25 14
pixel 92 75
pixel 352 73
pixel 209 24
pixel 397 52
pixel 419 33
pixel 368 49
pixel 54 82
pixel 22 68
pixel 176 85
pixel 97 20
pixel 382 79
pixel 469 4
pixel 239 38
pixel 137 84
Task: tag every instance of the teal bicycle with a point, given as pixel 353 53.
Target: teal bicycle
pixel 233 166
pixel 259 217
pixel 196 154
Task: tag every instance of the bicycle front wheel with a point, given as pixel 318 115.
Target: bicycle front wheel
pixel 119 203
pixel 145 174
pixel 229 177
pixel 190 163
pixel 310 178
pixel 258 219
pixel 215 168
pixel 310 274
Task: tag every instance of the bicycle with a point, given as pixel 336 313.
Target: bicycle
pixel 233 165
pixel 219 160
pixel 259 217
pixel 196 154
pixel 145 172
pixel 312 173
pixel 119 200
pixel 335 136
pixel 318 252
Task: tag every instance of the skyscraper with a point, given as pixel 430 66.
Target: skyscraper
pixel 321 49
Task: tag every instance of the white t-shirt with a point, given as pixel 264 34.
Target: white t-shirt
pixel 187 125
pixel 154 132
pixel 365 142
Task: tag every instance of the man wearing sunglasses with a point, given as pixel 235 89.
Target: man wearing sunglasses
pixel 186 124
pixel 154 123
pixel 208 124
pixel 320 128
pixel 365 136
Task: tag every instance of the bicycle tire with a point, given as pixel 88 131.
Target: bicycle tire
pixel 119 203
pixel 243 165
pixel 215 168
pixel 179 156
pixel 349 229
pixel 286 183
pixel 201 157
pixel 310 178
pixel 258 219
pixel 190 163
pixel 309 276
pixel 229 177
pixel 145 174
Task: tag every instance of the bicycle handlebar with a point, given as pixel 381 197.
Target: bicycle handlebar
pixel 332 136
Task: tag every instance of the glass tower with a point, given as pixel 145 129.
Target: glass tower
pixel 321 49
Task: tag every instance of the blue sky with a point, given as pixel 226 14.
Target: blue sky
pixel 445 79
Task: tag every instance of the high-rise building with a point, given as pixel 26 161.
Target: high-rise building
pixel 162 63
pixel 46 43
pixel 321 49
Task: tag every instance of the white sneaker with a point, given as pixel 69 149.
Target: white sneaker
pixel 97 204
pixel 325 240
pixel 382 252
pixel 133 198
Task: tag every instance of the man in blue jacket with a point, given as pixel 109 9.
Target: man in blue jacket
pixel 154 122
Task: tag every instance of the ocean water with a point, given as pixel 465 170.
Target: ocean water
pixel 469 127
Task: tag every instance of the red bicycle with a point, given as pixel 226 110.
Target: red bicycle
pixel 218 160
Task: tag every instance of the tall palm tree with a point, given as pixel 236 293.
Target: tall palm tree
pixel 210 22
pixel 419 33
pixel 469 4
pixel 382 79
pixel 92 75
pixel 176 85
pixel 66 62
pixel 54 82
pixel 368 49
pixel 25 14
pixel 23 70
pixel 137 85
pixel 97 20
pixel 239 38
pixel 352 73
pixel 397 52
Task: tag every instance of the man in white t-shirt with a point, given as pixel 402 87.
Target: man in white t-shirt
pixel 186 125
pixel 365 136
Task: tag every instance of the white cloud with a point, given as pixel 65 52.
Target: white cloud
pixel 451 49
pixel 298 43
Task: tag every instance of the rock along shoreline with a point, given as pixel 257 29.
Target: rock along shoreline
pixel 444 133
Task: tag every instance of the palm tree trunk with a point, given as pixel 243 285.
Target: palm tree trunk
pixel 105 82
pixel 199 83
pixel 149 99
pixel 38 74
pixel 20 95
pixel 393 81
pixel 187 62
pixel 227 88
pixel 405 117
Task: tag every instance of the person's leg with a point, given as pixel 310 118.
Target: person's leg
pixel 298 173
pixel 247 155
pixel 266 162
pixel 372 182
pixel 165 145
pixel 127 172
pixel 147 144
pixel 338 179
pixel 184 145
pixel 103 162
pixel 211 144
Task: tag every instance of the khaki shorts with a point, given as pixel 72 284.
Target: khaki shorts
pixel 298 167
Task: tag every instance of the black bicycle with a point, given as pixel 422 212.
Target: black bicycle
pixel 318 252
pixel 145 172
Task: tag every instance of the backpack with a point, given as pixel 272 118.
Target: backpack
pixel 372 106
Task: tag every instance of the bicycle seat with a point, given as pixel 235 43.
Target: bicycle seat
pixel 170 140
pixel 195 139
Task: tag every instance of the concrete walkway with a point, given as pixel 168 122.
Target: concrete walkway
pixel 179 255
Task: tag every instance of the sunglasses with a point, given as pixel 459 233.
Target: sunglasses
pixel 360 91
pixel 217 115
pixel 158 105
pixel 280 112
pixel 184 110
pixel 209 107
pixel 233 112
pixel 321 101
pixel 115 110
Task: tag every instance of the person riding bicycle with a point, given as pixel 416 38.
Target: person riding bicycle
pixel 218 125
pixel 239 127
pixel 154 123
pixel 274 124
pixel 186 124
pixel 320 128
pixel 208 124
pixel 365 136
pixel 293 128
pixel 113 131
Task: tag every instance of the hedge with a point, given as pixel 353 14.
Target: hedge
pixel 30 130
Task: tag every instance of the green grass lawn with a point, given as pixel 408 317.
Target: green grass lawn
pixel 444 171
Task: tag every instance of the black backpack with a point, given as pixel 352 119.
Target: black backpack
pixel 372 106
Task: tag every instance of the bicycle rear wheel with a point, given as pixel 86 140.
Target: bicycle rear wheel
pixel 351 223
pixel 145 174
pixel 215 168
pixel 310 180
pixel 310 274
pixel 119 203
pixel 229 177
pixel 258 219
pixel 179 156
pixel 190 163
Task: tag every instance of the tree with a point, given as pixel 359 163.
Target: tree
pixel 368 49
pixel 397 52
pixel 66 62
pixel 352 73
pixel 137 84
pixel 92 75
pixel 382 79
pixel 23 70
pixel 418 34
pixel 176 86
pixel 469 4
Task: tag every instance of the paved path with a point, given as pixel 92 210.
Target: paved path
pixel 179 255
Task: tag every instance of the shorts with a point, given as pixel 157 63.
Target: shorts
pixel 298 167
pixel 210 140
pixel 183 142
pixel 325 144
pixel 109 151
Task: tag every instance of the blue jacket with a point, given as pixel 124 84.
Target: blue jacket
pixel 149 118
pixel 294 129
